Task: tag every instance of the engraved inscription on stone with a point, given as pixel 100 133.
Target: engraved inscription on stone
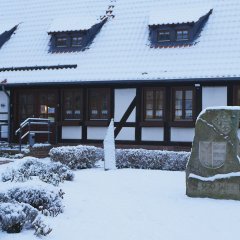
pixel 218 187
pixel 223 123
pixel 212 154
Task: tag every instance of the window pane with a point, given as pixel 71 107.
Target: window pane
pixel 76 41
pixel 188 94
pixel 99 104
pixel 149 100
pixel 163 36
pixel 154 100
pixel 72 104
pixel 149 104
pixel 61 42
pixel 178 104
pixel 182 35
pixel 188 115
pixel 179 95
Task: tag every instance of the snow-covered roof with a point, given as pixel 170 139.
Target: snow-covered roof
pixel 172 15
pixel 121 50
pixel 7 26
pixel 66 23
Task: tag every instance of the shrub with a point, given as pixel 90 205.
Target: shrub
pixel 86 157
pixel 49 172
pixel 15 216
pixel 151 159
pixel 46 201
pixel 79 157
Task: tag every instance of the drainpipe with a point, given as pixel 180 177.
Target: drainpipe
pixel 9 112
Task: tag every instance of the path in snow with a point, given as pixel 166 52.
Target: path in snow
pixel 138 205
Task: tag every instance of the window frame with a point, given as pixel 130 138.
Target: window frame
pixel 144 104
pixel 183 122
pixel 76 36
pixel 73 107
pixel 100 92
pixel 182 30
pixel 61 37
pixel 236 88
pixel 163 31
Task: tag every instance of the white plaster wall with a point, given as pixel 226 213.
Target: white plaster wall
pixel 214 96
pixel 123 98
pixel 3 106
pixel 152 134
pixel 4 133
pixel 71 132
pixel 96 133
pixel 182 134
pixel 127 133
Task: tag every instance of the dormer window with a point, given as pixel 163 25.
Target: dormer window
pixel 163 36
pixel 61 41
pixel 182 35
pixel 76 41
pixel 76 34
pixel 175 26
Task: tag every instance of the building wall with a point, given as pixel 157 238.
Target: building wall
pixel 71 132
pixel 182 134
pixel 134 130
pixel 214 96
pixel 3 115
pixel 123 98
pixel 152 134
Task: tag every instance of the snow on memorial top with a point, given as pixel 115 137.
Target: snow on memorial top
pixel 78 23
pixel 186 14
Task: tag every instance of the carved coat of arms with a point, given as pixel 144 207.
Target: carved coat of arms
pixel 212 154
pixel 223 123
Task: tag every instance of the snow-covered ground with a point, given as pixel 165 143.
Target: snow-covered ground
pixel 133 204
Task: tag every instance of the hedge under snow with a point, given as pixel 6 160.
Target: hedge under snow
pixel 16 216
pixel 47 171
pixel 49 202
pixel 24 207
pixel 80 157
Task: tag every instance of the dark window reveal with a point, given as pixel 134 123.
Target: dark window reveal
pixel 99 104
pixel 26 106
pixel 163 36
pixel 182 35
pixel 72 108
pixel 183 104
pixel 76 41
pixel 48 106
pixel 153 104
pixel 61 42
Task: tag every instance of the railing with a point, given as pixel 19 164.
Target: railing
pixel 29 122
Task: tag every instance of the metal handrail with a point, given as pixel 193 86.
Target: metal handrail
pixel 28 120
pixel 32 121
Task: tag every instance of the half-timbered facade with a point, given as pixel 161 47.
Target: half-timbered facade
pixel 150 65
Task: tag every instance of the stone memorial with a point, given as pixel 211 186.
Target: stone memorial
pixel 213 169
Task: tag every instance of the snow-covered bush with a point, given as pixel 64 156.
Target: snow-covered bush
pixel 47 171
pixel 15 216
pixel 151 159
pixel 56 173
pixel 78 157
pixel 46 201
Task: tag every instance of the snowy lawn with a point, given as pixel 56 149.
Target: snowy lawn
pixel 133 204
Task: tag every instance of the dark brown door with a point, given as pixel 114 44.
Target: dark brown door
pixel 38 104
